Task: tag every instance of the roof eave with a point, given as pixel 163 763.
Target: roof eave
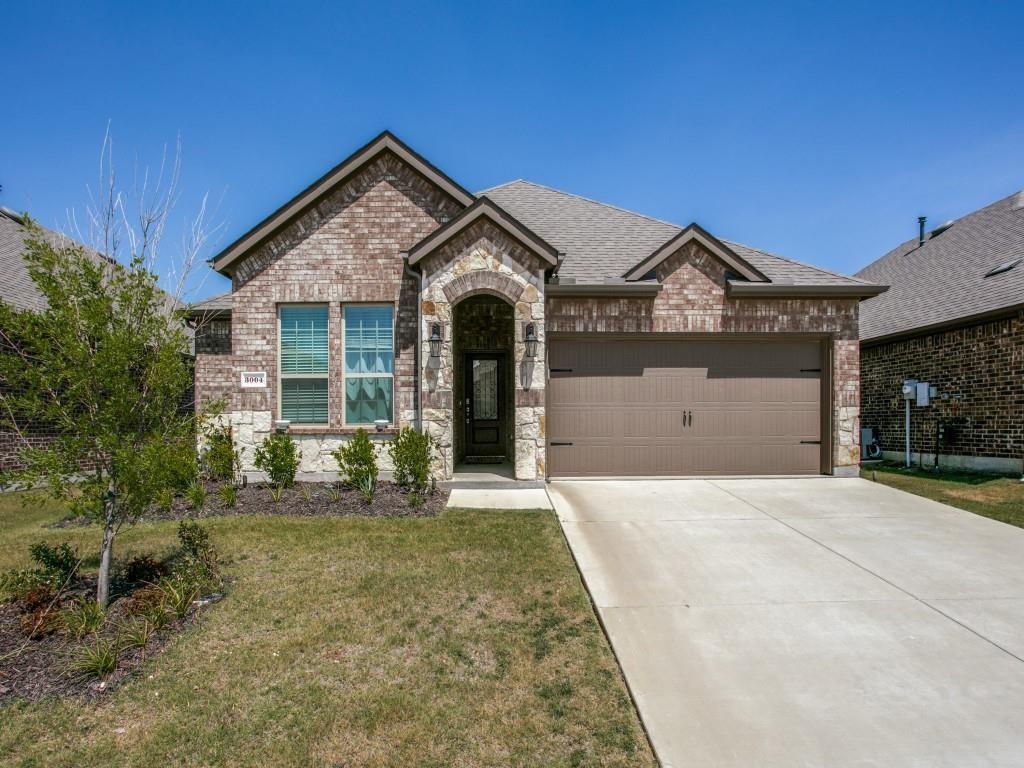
pixel 956 322
pixel 602 289
pixel 696 232
pixel 789 290
pixel 385 141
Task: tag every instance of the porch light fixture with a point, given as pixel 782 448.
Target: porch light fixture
pixel 435 340
pixel 530 339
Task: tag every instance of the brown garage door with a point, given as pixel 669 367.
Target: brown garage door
pixel 644 406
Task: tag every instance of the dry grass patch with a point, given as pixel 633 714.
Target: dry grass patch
pixel 461 640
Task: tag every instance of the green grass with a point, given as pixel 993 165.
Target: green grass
pixel 995 496
pixel 463 640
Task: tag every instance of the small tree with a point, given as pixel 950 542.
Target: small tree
pixel 411 452
pixel 104 363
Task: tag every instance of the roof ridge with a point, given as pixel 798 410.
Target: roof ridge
pixel 798 262
pixel 573 195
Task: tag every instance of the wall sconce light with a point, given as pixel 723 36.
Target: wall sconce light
pixel 435 340
pixel 530 339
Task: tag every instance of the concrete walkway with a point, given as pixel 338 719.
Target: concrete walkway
pixel 814 622
pixel 499 498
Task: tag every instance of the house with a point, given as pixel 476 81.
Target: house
pixel 526 325
pixel 954 318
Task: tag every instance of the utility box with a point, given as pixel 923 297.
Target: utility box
pixel 923 391
pixel 909 390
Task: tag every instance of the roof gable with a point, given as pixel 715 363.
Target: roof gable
pixel 484 208
pixel 695 233
pixel 385 142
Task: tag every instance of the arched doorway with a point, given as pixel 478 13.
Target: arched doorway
pixel 483 382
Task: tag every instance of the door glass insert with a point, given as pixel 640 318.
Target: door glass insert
pixel 485 389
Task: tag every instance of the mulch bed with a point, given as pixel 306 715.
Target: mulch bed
pixel 255 499
pixel 36 668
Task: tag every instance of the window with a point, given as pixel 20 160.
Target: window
pixel 369 363
pixel 303 339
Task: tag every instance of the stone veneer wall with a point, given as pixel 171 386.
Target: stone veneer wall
pixel 483 259
pixel 978 369
pixel 345 248
pixel 693 300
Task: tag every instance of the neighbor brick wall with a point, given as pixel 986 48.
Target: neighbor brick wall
pixel 345 248
pixel 977 366
pixel 693 300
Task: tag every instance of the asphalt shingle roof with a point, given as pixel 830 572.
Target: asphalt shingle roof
pixel 16 287
pixel 600 240
pixel 944 280
pixel 220 302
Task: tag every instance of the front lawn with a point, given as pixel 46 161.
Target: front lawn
pixel 460 640
pixel 995 496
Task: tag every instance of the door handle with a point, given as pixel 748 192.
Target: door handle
pixel 687 418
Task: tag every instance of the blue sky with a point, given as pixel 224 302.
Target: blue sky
pixel 816 130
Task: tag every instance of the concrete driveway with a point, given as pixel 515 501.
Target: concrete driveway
pixel 813 622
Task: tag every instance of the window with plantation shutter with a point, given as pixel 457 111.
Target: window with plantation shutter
pixel 303 363
pixel 369 363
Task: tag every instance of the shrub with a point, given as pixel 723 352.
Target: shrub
pixel 367 489
pixel 136 634
pixel 199 563
pixel 357 461
pixel 56 566
pixel 40 622
pixel 177 592
pixel 165 500
pixel 278 456
pixel 307 492
pixel 228 495
pixel 143 569
pixel 97 659
pixel 333 494
pixel 276 492
pixel 411 454
pixel 148 603
pixel 83 618
pixel 196 496
pixel 220 460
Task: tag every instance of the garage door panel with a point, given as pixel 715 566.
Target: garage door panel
pixel 677 407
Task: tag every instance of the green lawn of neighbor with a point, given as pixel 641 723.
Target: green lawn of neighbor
pixel 995 496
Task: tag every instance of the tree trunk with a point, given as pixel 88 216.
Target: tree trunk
pixel 106 553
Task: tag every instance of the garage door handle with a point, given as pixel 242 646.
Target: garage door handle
pixel 687 418
pixel 560 444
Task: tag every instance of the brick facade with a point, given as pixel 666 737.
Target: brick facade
pixel 693 300
pixel 347 247
pixel 977 369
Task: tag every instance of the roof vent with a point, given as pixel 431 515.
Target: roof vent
pixel 940 229
pixel 1005 267
pixel 4 210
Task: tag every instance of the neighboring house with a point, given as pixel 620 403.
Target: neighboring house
pixel 17 289
pixel 953 317
pixel 529 326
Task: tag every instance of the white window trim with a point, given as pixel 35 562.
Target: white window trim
pixel 345 376
pixel 326 376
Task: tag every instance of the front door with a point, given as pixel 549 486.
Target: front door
pixel 485 405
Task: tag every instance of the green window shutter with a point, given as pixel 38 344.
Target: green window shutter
pixel 304 340
pixel 304 401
